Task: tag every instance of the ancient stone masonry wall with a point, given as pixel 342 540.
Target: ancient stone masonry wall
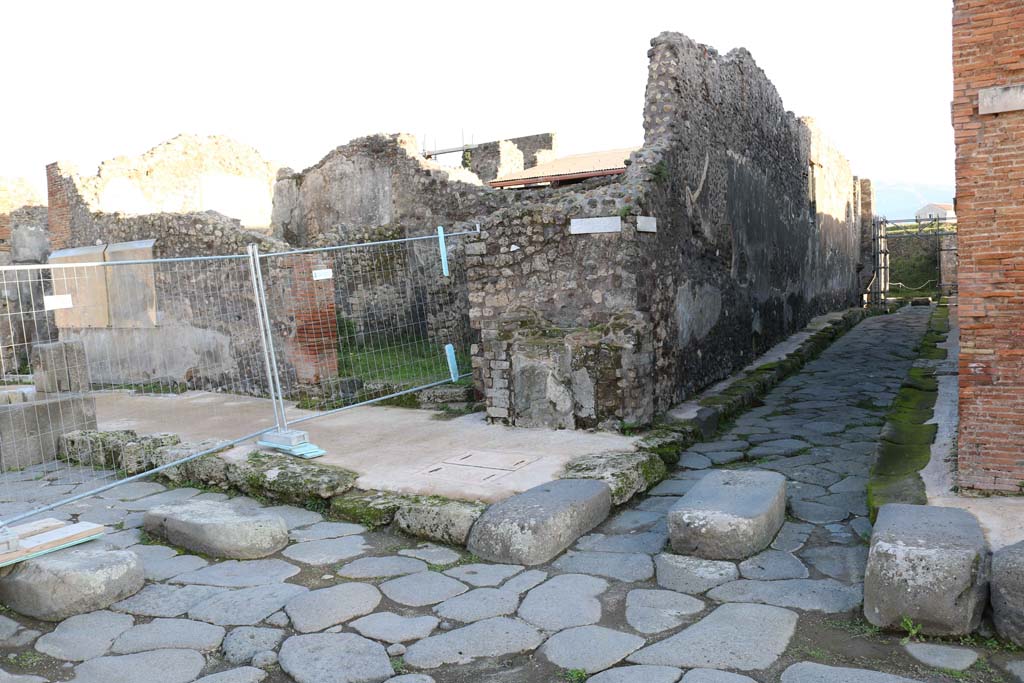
pixel 988 123
pixel 492 160
pixel 22 211
pixel 756 229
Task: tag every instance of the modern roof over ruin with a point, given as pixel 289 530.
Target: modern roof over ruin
pixel 575 167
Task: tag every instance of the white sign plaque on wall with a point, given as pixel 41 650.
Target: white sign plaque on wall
pixel 586 226
pixel 323 274
pixel 646 224
pixel 56 302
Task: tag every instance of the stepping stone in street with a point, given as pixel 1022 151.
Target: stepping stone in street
pixel 729 514
pixel 422 589
pixel 654 611
pixel 236 574
pixel 169 634
pixel 845 563
pixel 929 564
pixel 772 565
pixel 218 529
pixel 320 609
pixel 590 648
pixel 433 554
pixel 394 628
pixel 84 636
pixel 335 657
pixel 811 672
pixel 381 567
pixel 496 637
pixel 160 600
pixel 813 595
pixel 692 574
pixel 638 674
pixel 1008 592
pixel 714 676
pixel 533 527
pixel 244 642
pixel 741 637
pixel 484 574
pixel 946 657
pixel 74 581
pixel 324 530
pixel 326 551
pixel 478 604
pixel 247 606
pixel 565 601
pixel 158 666
pixel 628 567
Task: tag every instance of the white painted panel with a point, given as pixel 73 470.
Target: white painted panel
pixel 585 226
pixel 1000 99
pixel 323 274
pixel 56 302
pixel 646 224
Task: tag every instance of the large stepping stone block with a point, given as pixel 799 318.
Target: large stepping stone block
pixel 534 526
pixel 729 515
pixel 928 564
pixel 73 581
pixel 218 529
pixel 1008 592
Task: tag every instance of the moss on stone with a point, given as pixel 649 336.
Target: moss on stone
pixel 897 459
pixel 909 433
pixel 372 509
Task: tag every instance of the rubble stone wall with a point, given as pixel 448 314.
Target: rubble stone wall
pixel 491 160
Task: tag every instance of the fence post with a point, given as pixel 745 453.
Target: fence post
pixel 444 250
pixel 265 340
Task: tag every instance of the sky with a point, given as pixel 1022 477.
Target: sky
pixel 88 81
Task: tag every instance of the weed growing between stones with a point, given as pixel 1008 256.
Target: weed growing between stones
pixel 911 628
pixel 574 675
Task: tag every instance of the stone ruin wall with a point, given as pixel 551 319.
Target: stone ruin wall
pixel 600 330
pixel 22 222
pixel 492 160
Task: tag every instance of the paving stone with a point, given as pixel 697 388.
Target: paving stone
pixel 1008 592
pixel 654 611
pixel 780 447
pixel 1016 669
pixel 279 619
pixel 240 574
pixel 84 636
pixel 771 565
pixel 326 551
pixel 394 628
pixel 741 637
pixel 564 601
pixel 844 563
pixel 816 595
pixel 533 527
pixel 153 552
pixel 247 606
pixel 244 642
pixel 649 542
pixel 692 574
pixel 324 530
pixel 245 674
pixel 133 490
pixel 485 574
pixel 496 637
pixel 218 529
pixel 433 554
pixel 724 457
pixel 16 678
pixel 809 474
pixel 525 581
pixel 422 589
pixel 792 536
pixel 798 490
pixel 854 503
pixel 72 581
pixel 631 521
pixel 714 676
pixel 929 564
pixel 264 659
pixel 316 610
pixel 729 515
pixel 159 600
pixel 294 517
pixel 810 672
pixel 478 604
pixel 335 658
pixel 122 539
pixel 712 446
pixel 694 461
pixel 621 566
pixel 659 504
pixel 850 485
pixel 638 674
pixel 166 498
pixel 590 648
pixel 862 527
pixel 672 487
pixel 381 567
pixel 816 513
pixel 942 656
pixel 169 634
pixel 411 678
pixel 165 569
pixel 158 666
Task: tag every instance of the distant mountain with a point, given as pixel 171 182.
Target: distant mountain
pixel 902 200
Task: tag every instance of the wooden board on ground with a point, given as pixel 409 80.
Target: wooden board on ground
pixel 48 535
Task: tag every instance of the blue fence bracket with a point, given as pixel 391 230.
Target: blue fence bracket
pixel 453 365
pixel 444 250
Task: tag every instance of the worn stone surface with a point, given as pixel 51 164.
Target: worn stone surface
pixel 432 554
pixel 845 563
pixel 477 604
pixel 742 637
pixel 169 634
pixel 929 564
pixel 638 674
pixel 653 611
pixel 692 574
pixel 444 520
pixel 422 588
pixel 84 636
pixel 159 600
pixel 489 638
pixel 590 648
pixel 564 601
pixel 316 610
pixel 70 582
pixel 247 606
pixel 381 567
pixel 810 672
pixel 824 595
pixel 714 676
pixel 729 515
pixel 1008 592
pixel 394 628
pixel 532 527
pixel 245 674
pixel 326 551
pixel 772 565
pixel 218 529
pixel 626 474
pixel 336 657
pixel 158 666
pixel 620 566
pixel 942 656
pixel 484 574
pixel 242 643
pixel 240 574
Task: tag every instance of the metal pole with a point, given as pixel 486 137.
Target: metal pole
pixel 265 340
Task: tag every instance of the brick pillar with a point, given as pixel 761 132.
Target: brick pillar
pixel 988 122
pixel 58 191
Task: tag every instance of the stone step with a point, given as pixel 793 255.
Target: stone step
pixel 218 529
pixel 534 526
pixel 928 564
pixel 729 515
pixel 1008 592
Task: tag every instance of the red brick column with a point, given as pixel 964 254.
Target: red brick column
pixel 59 206
pixel 988 51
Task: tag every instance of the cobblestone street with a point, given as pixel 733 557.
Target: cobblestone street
pixel 344 604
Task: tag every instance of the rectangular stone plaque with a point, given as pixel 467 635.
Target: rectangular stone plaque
pixel 586 226
pixel 646 224
pixel 1000 99
pixel 323 274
